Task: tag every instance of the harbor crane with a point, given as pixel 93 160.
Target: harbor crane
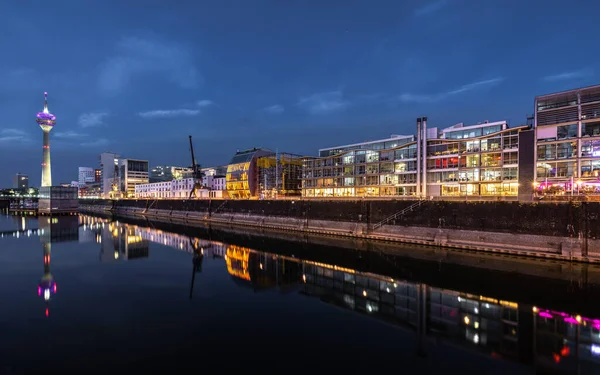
pixel 197 174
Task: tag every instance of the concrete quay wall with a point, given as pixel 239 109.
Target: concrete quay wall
pixel 568 231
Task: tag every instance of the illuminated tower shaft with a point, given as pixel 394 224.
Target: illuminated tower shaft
pixel 46 168
pixel 46 121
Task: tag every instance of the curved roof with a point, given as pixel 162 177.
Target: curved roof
pixel 247 155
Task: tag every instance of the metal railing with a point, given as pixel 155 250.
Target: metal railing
pixel 398 214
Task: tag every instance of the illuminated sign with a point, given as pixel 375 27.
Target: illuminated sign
pixel 596 153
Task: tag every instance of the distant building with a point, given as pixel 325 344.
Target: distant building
pixel 86 175
pixel 120 175
pixel 131 172
pixel 165 189
pixel 178 189
pixel 20 181
pixel 109 167
pixel 91 190
pixel 98 175
pixel 168 173
pixel 214 171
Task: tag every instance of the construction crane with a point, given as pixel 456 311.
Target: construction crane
pixel 197 176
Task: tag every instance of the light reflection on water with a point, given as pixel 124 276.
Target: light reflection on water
pixel 100 280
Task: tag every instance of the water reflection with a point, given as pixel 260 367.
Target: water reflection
pixel 52 230
pixel 511 329
pixel 501 328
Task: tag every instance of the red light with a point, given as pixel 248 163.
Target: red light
pixel 556 357
pixel 39 291
pixel 54 288
pixel 565 351
pixel 47 312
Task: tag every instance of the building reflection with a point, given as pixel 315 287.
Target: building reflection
pixel 547 339
pixel 503 329
pixel 125 241
pixel 53 230
pixel 262 271
pixel 121 242
pixel 566 341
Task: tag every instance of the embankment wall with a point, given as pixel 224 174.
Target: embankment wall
pixel 555 230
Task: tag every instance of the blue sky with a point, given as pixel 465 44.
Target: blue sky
pixel 137 77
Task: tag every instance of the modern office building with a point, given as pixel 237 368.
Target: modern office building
pixel 131 173
pixel 86 175
pixel 168 173
pixel 476 160
pixel 363 169
pixel 279 174
pixel 109 166
pixel 242 174
pixel 261 173
pixel 120 175
pixel 567 134
pixel 21 181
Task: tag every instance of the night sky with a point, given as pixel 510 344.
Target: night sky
pixel 138 76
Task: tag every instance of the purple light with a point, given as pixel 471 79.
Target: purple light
pixel 546 315
pixel 571 320
pixel 46 116
pixel 596 326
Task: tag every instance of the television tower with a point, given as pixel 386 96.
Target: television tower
pixel 46 121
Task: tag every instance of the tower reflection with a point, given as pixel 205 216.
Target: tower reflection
pixel 52 230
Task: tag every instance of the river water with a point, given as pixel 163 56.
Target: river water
pixel 91 294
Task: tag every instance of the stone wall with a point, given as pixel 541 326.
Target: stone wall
pixel 577 219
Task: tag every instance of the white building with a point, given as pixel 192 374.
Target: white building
pixel 177 189
pixel 169 189
pixel 109 163
pixel 212 182
pixel 181 188
pixel 86 175
pixel 219 183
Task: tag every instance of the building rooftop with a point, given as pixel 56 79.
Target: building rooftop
pixel 569 92
pixel 461 126
pixel 391 138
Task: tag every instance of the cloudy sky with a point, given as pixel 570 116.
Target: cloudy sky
pixel 138 76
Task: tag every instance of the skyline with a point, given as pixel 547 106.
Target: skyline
pixel 297 76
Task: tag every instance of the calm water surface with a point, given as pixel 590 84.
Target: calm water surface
pixel 95 295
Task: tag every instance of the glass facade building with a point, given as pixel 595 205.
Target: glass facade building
pixel 478 160
pixel 567 127
pixel 261 173
pixel 241 179
pixel 279 175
